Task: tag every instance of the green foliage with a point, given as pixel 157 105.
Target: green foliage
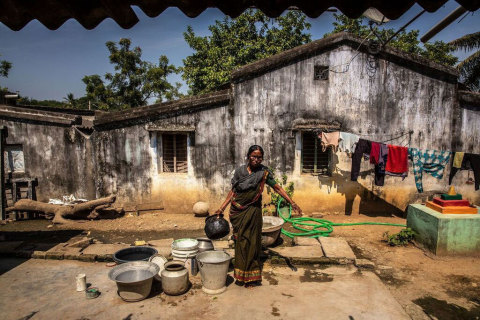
pixel 408 42
pixel 275 198
pixel 134 81
pixel 26 101
pixel 402 238
pixel 5 67
pixel 236 42
pixel 470 67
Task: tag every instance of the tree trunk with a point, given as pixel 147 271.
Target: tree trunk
pixel 86 210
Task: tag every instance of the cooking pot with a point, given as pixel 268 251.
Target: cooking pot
pixel 216 227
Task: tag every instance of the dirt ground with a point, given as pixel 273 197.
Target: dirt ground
pixel 426 286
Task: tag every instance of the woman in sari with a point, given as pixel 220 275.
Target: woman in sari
pixel 246 215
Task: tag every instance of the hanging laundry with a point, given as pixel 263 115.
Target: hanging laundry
pixel 470 161
pixel 375 153
pixel 382 159
pixel 431 161
pixel 347 142
pixel 330 139
pixel 397 162
pixel 363 147
pixel 458 159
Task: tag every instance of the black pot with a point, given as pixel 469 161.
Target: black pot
pixel 216 227
pixel 140 253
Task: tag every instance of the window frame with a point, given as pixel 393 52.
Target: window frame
pixel 317 148
pixel 160 152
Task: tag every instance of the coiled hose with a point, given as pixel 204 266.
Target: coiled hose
pixel 314 227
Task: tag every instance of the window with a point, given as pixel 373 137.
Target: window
pixel 320 72
pixel 174 153
pixel 14 161
pixel 314 160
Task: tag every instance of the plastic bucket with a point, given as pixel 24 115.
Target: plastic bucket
pixel 213 270
pixel 188 258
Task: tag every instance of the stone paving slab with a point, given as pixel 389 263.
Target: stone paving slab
pixel 305 241
pixel 301 254
pixel 101 252
pixel 70 253
pixel 336 248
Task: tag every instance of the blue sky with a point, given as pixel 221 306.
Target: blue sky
pixel 49 64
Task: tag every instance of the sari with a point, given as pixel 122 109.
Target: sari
pixel 246 219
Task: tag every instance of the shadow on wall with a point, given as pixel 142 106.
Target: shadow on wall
pixel 370 203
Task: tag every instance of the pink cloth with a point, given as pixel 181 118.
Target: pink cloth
pixel 330 139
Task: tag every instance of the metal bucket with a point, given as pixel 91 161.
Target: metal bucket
pixel 134 279
pixel 213 270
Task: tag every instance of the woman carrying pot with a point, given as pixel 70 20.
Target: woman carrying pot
pixel 246 215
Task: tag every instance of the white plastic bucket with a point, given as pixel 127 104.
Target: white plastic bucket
pixel 187 257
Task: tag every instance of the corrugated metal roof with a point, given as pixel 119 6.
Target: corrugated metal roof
pixel 89 13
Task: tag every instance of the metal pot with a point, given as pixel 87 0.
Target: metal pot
pixel 271 228
pixel 139 253
pixel 204 244
pixel 174 278
pixel 134 279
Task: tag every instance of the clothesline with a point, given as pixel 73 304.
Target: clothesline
pixel 393 159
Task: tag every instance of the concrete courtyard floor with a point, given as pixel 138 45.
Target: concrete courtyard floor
pixel 45 289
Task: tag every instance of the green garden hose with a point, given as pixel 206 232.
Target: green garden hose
pixel 314 227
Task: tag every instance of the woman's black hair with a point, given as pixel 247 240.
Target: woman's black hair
pixel 253 148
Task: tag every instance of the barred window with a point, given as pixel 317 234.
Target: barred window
pixel 174 153
pixel 320 72
pixel 314 160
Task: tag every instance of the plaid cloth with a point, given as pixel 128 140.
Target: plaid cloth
pixel 431 161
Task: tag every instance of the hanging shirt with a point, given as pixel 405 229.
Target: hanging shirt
pixel 431 161
pixel 364 147
pixel 397 162
pixel 470 161
pixel 375 153
pixel 382 159
pixel 347 142
pixel 329 139
pixel 458 159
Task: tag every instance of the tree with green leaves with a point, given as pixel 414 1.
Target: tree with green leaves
pixel 470 67
pixel 236 42
pixel 134 82
pixel 5 67
pixel 438 51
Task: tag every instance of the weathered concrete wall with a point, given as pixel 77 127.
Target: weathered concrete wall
pixel 58 156
pixel 128 161
pixel 376 99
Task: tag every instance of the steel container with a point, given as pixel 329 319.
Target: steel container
pixel 134 279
